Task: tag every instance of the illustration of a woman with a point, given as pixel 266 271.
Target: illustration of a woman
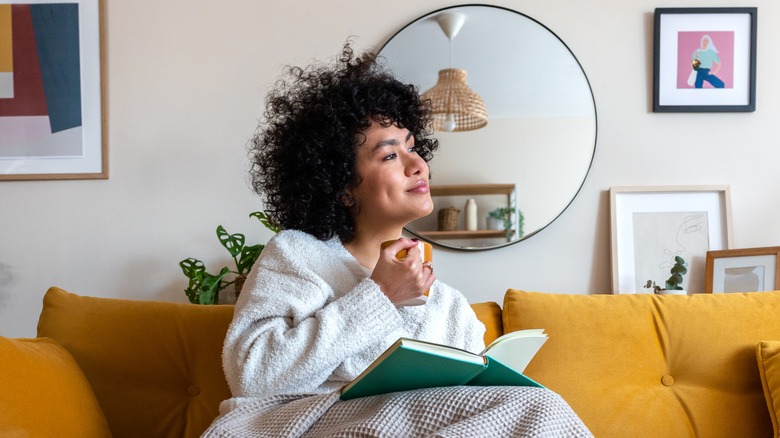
pixel 709 63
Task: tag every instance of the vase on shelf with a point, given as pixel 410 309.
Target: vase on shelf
pixel 471 214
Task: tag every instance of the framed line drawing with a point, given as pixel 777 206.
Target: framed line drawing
pixel 651 225
pixel 743 270
pixel 52 90
pixel 704 60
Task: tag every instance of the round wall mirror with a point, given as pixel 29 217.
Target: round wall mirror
pixel 526 165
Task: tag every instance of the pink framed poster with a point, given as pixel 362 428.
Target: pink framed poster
pixel 704 60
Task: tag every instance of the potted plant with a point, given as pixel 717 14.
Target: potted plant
pixel 501 219
pixel 204 287
pixel 673 284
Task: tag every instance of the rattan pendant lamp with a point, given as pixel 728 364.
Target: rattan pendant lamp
pixel 456 107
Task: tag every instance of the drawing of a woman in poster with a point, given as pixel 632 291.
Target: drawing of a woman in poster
pixel 707 63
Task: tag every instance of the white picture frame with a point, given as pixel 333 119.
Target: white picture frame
pixel 650 225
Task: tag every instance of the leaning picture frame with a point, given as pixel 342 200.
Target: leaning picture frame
pixel 650 225
pixel 743 270
pixel 704 60
pixel 52 90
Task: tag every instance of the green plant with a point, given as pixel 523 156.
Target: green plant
pixel 203 287
pixel 504 214
pixel 675 280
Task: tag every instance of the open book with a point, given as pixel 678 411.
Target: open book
pixel 412 364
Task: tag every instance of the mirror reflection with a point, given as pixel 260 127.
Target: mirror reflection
pixel 525 166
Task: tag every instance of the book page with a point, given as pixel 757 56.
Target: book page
pixel 516 334
pixel 442 350
pixel 517 351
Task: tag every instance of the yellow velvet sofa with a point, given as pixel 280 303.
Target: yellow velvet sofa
pixel 705 365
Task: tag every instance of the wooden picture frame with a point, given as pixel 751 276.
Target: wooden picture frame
pixel 52 90
pixel 652 224
pixel 723 42
pixel 743 270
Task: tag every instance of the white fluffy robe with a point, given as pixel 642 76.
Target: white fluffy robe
pixel 309 320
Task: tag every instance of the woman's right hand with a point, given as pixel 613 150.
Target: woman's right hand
pixel 402 279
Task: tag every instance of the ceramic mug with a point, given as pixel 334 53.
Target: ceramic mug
pixel 426 255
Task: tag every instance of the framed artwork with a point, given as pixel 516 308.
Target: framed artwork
pixel 743 270
pixel 652 225
pixel 52 90
pixel 704 60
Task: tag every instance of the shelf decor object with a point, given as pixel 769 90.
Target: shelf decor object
pixel 448 219
pixel 52 88
pixel 743 270
pixel 704 60
pixel 652 225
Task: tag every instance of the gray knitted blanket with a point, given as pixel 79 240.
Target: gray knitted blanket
pixel 460 411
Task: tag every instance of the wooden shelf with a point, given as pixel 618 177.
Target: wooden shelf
pixel 472 189
pixel 463 234
pixel 507 190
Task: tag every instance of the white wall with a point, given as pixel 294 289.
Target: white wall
pixel 186 80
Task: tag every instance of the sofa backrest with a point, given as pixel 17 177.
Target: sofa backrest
pixel 490 315
pixel 156 367
pixel 653 365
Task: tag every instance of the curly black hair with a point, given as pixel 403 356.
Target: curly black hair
pixel 304 152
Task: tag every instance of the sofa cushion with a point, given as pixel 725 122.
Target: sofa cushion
pixel 768 353
pixel 490 315
pixel 653 365
pixel 155 367
pixel 44 393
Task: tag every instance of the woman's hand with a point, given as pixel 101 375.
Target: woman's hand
pixel 404 279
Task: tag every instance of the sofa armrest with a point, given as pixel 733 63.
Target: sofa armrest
pixel 44 392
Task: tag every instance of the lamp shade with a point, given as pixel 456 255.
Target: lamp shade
pixel 453 101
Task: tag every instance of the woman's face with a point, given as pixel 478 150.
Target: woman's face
pixel 704 43
pixel 392 185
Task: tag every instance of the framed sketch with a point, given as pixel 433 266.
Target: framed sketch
pixel 52 90
pixel 704 60
pixel 743 270
pixel 652 225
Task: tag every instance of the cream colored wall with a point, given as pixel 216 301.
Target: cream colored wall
pixel 186 82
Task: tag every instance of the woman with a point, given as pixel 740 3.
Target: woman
pixel 341 160
pixel 709 64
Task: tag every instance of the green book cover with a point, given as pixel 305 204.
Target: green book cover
pixel 404 366
pixel 498 374
pixel 411 364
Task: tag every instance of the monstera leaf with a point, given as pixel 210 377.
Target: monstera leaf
pixel 248 258
pixel 203 288
pixel 234 243
pixel 265 220
pixel 212 284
